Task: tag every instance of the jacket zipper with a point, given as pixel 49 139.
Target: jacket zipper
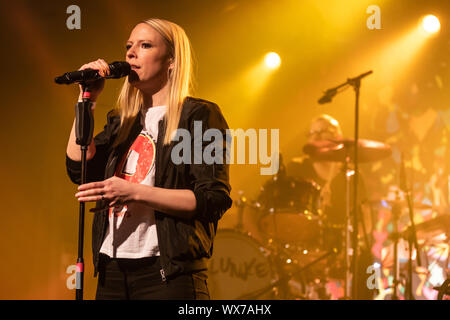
pixel 163 275
pixel 159 147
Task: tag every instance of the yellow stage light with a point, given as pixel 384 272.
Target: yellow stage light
pixel 272 60
pixel 431 24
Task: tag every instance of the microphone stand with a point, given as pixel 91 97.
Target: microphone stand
pixel 348 228
pixel 329 94
pixel 84 127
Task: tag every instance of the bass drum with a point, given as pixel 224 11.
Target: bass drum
pixel 239 268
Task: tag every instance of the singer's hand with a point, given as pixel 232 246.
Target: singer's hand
pixel 115 191
pixel 96 86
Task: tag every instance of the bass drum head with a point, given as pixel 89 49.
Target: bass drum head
pixel 239 266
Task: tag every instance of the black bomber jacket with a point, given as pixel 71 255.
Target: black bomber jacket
pixel 185 244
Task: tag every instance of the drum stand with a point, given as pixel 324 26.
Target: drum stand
pixel 444 288
pixel 282 281
pixel 396 209
pixel 411 231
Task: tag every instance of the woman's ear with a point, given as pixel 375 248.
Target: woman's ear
pixel 170 62
pixel 170 68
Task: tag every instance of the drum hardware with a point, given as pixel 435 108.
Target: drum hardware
pixel 290 210
pixel 421 274
pixel 396 210
pixel 240 204
pixel 337 150
pixel 400 202
pixel 444 289
pixel 283 280
pixel 239 264
pixel 304 284
pixel 349 151
pixel 411 234
pixel 429 230
pixel 293 224
pixel 283 202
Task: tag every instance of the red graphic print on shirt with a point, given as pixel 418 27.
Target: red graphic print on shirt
pixel 137 163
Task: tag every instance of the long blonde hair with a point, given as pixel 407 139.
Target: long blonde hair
pixel 130 99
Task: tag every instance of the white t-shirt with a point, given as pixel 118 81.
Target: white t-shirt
pixel 132 229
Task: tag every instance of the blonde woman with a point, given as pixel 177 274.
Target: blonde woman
pixel 155 235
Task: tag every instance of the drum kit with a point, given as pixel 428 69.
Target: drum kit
pixel 290 249
pixel 288 252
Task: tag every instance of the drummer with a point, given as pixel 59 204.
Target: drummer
pixel 322 128
pixel 331 178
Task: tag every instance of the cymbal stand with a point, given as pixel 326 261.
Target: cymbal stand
pixel 396 210
pixel 412 236
pixel 444 288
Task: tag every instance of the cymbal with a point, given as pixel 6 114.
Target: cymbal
pixel 337 150
pixel 431 228
pixel 401 203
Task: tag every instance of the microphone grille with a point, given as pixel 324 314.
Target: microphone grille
pixel 119 69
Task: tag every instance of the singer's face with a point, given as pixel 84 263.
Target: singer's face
pixel 148 55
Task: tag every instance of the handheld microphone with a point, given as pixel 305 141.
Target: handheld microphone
pixel 118 69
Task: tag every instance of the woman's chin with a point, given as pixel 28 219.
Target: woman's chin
pixel 133 78
pixel 137 83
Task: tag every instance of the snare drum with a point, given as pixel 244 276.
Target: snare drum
pixel 239 266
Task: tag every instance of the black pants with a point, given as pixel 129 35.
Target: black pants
pixel 140 279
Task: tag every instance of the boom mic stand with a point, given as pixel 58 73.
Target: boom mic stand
pixel 329 94
pixel 84 128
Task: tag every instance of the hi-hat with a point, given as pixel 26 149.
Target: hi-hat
pixel 339 149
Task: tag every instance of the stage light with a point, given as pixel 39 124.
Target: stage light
pixel 272 60
pixel 431 24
